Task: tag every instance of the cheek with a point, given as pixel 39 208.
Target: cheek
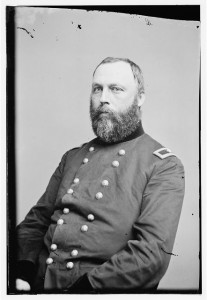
pixel 95 101
pixel 124 103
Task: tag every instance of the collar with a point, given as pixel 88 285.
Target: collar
pixel 138 132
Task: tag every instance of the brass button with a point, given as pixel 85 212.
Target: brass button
pixel 53 247
pixel 90 217
pixel 91 149
pixel 76 180
pixel 122 152
pixel 99 195
pixel 70 191
pixel 66 210
pixel 70 265
pixel 74 252
pixel 115 163
pixel 49 261
pixel 105 182
pixel 84 228
pixel 60 222
pixel 85 160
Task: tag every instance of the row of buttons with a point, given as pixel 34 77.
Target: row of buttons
pixel 85 160
pixel 99 195
pixel 84 228
pixel 69 265
pixel 74 253
pixel 105 182
pixel 76 180
pixel 90 217
pixel 115 163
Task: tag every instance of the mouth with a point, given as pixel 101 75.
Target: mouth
pixel 104 113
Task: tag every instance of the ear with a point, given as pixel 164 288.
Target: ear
pixel 141 99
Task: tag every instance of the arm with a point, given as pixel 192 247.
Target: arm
pixel 31 231
pixel 145 259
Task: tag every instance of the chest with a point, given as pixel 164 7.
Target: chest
pixel 106 182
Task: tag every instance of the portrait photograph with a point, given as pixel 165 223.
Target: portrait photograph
pixel 103 159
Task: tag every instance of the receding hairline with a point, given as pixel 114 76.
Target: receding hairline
pixel 110 63
pixel 111 60
pixel 136 70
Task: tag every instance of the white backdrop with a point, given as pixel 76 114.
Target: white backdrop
pixel 56 53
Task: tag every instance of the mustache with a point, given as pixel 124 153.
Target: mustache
pixel 103 109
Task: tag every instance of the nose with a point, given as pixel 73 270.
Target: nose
pixel 105 96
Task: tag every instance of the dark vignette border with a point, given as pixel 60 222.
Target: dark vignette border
pixel 10 144
pixel 177 12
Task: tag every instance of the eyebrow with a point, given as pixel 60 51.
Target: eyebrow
pixel 110 85
pixel 96 84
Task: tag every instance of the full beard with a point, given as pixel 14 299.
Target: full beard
pixel 111 126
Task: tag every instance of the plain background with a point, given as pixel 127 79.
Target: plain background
pixel 55 58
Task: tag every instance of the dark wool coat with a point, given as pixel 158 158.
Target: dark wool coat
pixel 110 211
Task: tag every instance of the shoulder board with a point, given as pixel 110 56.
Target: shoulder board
pixel 163 153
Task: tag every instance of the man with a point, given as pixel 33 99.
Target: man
pixel 108 219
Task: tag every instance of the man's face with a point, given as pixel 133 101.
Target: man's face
pixel 114 87
pixel 114 102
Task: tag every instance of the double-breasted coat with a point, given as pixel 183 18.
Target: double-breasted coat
pixel 109 210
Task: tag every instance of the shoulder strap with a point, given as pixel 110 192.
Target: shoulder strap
pixel 163 153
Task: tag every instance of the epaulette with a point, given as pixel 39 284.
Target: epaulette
pixel 163 153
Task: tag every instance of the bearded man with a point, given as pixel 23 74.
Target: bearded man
pixel 108 218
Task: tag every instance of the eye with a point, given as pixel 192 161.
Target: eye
pixel 116 89
pixel 97 89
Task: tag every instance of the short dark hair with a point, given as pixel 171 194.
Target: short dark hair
pixel 136 70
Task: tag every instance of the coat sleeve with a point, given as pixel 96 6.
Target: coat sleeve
pixel 30 232
pixel 145 259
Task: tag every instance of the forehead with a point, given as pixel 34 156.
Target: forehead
pixel 116 72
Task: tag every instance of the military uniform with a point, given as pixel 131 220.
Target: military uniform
pixel 110 211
